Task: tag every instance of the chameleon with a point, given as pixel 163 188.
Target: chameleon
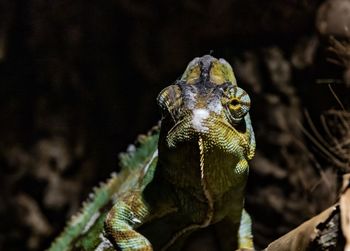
pixel 187 174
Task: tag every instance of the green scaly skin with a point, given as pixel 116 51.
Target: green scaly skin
pixel 85 230
pixel 195 178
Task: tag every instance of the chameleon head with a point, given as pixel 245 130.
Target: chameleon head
pixel 206 102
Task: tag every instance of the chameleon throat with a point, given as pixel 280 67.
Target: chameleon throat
pixel 210 212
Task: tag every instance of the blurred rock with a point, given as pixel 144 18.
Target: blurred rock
pixel 333 18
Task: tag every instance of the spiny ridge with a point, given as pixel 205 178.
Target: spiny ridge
pixel 102 194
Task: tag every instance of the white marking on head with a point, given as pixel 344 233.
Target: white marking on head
pixel 215 106
pixel 197 120
pixel 191 99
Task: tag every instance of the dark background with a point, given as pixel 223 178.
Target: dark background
pixel 78 82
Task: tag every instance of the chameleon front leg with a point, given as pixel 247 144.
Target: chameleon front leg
pixel 121 221
pixel 245 236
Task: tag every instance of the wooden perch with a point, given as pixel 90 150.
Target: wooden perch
pixel 329 230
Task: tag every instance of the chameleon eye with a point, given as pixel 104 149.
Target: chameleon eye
pixel 239 103
pixel 235 103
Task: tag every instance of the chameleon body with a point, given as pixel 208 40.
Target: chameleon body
pixel 187 175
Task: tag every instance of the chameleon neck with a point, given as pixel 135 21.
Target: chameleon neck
pixel 206 192
pixel 209 201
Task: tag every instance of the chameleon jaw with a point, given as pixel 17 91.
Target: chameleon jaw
pixel 213 130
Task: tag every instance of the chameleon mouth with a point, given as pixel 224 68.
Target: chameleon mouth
pixel 215 132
